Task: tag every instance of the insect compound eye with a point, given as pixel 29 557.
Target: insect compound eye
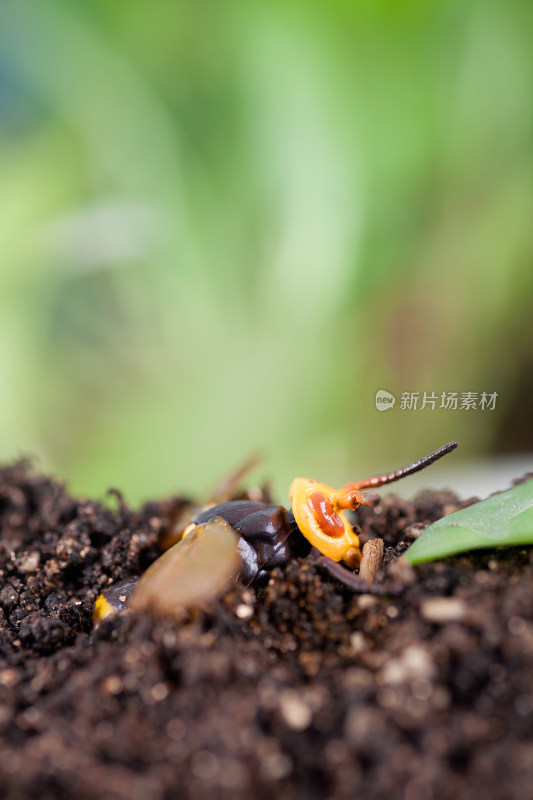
pixel 327 518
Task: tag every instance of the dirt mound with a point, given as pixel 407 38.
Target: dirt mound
pixel 298 689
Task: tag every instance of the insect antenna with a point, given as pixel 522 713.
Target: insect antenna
pixel 380 480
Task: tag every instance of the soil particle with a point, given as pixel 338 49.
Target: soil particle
pixel 298 689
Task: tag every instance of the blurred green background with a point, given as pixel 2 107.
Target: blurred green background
pixel 225 226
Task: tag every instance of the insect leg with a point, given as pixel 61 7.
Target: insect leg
pixel 351 580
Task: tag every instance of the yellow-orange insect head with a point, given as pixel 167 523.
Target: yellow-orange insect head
pixel 319 513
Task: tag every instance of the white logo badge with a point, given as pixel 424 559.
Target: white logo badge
pixel 384 400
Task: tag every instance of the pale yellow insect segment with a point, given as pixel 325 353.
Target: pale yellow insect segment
pixel 195 571
pixel 102 609
pixel 317 509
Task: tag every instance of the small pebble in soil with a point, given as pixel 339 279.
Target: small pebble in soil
pixel 443 609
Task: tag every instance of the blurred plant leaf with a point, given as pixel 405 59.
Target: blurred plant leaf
pixel 503 519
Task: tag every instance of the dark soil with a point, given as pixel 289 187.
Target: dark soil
pixel 297 690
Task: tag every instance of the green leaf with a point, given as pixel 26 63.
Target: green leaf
pixel 504 519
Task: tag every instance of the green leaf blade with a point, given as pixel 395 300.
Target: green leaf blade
pixel 505 519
